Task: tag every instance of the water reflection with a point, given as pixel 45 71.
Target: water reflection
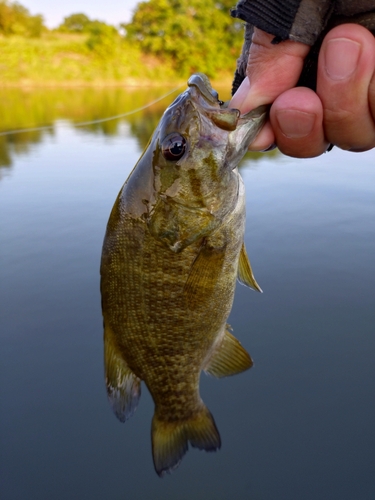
pixel 26 110
pixel 17 144
pixel 298 425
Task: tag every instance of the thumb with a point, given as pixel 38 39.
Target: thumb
pixel 271 70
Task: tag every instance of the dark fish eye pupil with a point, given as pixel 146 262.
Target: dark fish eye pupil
pixel 177 148
pixel 173 147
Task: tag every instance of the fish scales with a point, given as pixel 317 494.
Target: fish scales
pixel 155 329
pixel 171 255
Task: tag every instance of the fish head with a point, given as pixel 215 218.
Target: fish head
pixel 195 151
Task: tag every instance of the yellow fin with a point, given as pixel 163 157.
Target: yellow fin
pixel 245 274
pixel 170 439
pixel 229 358
pixel 123 387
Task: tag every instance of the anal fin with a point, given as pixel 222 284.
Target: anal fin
pixel 245 274
pixel 229 358
pixel 123 387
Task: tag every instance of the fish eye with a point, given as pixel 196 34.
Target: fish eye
pixel 173 147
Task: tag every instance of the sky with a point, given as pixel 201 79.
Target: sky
pixel 111 11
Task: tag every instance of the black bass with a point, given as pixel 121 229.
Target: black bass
pixel 172 252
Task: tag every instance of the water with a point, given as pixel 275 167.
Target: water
pixel 299 424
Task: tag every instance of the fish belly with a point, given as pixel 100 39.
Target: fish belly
pixel 167 309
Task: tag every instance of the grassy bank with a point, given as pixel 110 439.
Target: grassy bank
pixel 66 60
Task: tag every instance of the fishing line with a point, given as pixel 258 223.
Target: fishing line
pixel 91 122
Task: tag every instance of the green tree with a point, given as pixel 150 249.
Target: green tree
pixel 195 35
pixel 17 20
pixel 103 39
pixel 75 23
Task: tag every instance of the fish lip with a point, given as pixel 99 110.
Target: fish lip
pixel 254 113
pixel 202 83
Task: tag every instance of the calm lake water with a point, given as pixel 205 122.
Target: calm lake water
pixel 298 425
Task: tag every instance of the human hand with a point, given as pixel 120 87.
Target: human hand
pixel 303 123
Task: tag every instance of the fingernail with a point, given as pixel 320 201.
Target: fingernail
pixel 270 148
pixel 295 124
pixel 341 58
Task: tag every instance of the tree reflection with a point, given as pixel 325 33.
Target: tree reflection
pixel 22 109
pixel 18 144
pixel 29 110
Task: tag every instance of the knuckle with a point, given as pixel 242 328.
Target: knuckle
pixel 339 117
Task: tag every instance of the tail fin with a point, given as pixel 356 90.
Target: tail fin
pixel 170 439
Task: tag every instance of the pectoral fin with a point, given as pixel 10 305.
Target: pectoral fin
pixel 229 358
pixel 203 275
pixel 245 274
pixel 123 387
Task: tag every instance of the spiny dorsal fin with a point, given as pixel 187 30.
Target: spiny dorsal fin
pixel 229 358
pixel 123 387
pixel 245 274
pixel 170 438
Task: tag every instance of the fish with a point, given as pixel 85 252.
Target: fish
pixel 172 252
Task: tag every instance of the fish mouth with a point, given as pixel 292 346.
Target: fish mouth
pixel 202 83
pixel 224 117
pixel 208 102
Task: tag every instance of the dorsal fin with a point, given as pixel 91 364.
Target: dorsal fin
pixel 245 274
pixel 229 358
pixel 123 387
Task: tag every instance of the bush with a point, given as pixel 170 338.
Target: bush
pixel 103 39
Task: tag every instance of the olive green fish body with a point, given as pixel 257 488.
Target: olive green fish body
pixel 171 255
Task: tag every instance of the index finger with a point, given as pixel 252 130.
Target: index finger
pixel 271 70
